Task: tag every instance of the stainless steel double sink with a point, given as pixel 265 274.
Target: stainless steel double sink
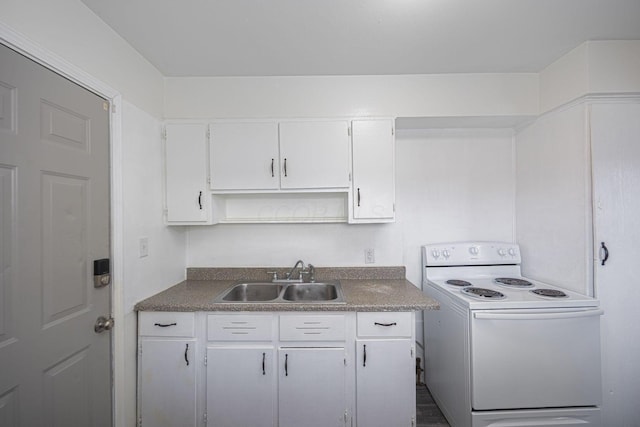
pixel 284 292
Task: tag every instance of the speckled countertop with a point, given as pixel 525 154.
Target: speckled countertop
pixel 364 288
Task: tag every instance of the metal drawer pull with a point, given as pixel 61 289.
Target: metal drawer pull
pixel 186 354
pixel 358 197
pixel 200 200
pixel 165 325
pixel 272 173
pixel 263 357
pixel 286 363
pixel 285 166
pixel 385 324
pixel 364 359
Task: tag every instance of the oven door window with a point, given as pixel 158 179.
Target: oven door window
pixel 535 358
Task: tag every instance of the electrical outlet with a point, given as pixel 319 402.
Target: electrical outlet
pixel 369 256
pixel 144 247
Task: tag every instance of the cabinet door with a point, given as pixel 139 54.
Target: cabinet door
pixel 240 386
pixel 311 387
pixel 167 382
pixel 385 380
pixel 186 173
pixel 615 139
pixel 314 154
pixel 244 156
pixel 373 170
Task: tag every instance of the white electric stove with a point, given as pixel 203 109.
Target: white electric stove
pixel 505 349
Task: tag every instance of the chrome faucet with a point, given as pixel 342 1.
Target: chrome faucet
pixel 299 262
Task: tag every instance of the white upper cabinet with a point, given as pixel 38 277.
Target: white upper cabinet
pixel 244 156
pixel 314 154
pixel 187 197
pixel 373 171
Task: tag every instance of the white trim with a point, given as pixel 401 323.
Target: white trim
pixel 52 61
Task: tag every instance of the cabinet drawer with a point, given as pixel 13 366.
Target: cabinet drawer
pixel 382 324
pixel 166 324
pixel 312 328
pixel 239 327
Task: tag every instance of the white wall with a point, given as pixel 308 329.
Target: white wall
pixel 330 96
pixel 594 67
pixel 553 199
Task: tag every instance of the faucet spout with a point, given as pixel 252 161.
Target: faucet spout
pixel 299 262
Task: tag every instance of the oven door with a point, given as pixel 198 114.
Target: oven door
pixel 535 358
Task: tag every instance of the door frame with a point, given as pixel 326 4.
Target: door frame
pixel 55 63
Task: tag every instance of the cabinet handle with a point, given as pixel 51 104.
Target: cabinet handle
pixel 358 197
pixel 186 354
pixel 263 357
pixel 285 166
pixel 286 365
pixel 164 325
pixel 385 324
pixel 604 253
pixel 200 200
pixel 364 359
pixel 272 173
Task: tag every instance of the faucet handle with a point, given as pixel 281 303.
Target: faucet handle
pixel 274 275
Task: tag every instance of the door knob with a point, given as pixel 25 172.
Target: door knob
pixel 103 324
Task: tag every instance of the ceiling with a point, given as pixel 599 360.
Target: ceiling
pixel 362 37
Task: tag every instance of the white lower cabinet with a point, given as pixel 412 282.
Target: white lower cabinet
pixel 276 369
pixel 311 387
pixel 167 370
pixel 385 370
pixel 241 386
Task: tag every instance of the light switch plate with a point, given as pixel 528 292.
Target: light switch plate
pixel 144 247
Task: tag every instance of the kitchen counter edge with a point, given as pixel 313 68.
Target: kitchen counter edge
pixel 360 294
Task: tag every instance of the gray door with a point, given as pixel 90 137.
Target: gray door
pixel 54 221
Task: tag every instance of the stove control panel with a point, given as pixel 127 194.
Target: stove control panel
pixel 470 253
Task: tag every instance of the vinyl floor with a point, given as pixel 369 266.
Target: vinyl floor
pixel 427 412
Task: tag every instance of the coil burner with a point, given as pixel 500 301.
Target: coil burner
pixel 482 293
pixel 513 283
pixel 456 282
pixel 549 293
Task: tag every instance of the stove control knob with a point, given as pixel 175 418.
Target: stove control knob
pixel 473 250
pixel 512 252
pixel 502 252
pixel 435 253
pixel 446 253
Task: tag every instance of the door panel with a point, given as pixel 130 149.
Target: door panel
pixel 54 221
pixel 615 143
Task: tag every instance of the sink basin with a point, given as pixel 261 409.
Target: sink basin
pixel 286 293
pixel 253 292
pixel 311 292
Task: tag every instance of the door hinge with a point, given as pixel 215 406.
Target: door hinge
pixel 349 176
pixel 412 349
pixel 164 132
pixel 349 130
pixel 394 207
pixel 346 416
pixel 205 360
pixel 413 421
pixel 392 130
pixel 204 417
pixel 140 422
pixel 209 133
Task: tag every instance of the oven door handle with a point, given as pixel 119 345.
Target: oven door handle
pixel 539 316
